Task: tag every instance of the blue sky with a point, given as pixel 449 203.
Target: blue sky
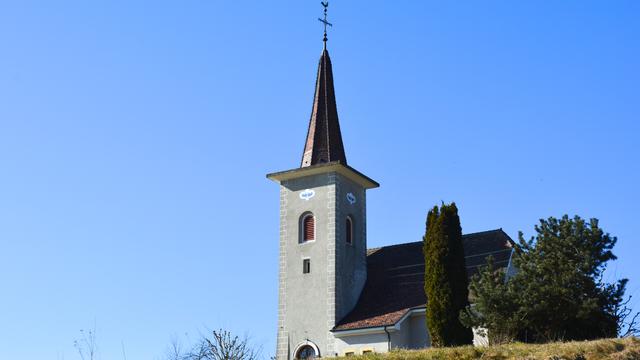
pixel 135 137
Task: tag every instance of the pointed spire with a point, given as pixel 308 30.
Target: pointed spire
pixel 324 140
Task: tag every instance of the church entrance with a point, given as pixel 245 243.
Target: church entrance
pixel 306 352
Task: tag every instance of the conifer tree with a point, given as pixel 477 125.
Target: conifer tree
pixel 445 285
pixel 496 310
pixel 558 291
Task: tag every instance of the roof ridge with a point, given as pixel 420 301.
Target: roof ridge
pixel 483 232
pixel 415 242
pixel 392 245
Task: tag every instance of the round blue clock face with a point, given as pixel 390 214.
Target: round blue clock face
pixel 307 194
pixel 351 198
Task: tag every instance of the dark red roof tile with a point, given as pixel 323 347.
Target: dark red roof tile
pixel 395 278
pixel 324 140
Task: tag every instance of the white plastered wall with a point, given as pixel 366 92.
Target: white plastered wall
pixel 409 333
pixel 376 342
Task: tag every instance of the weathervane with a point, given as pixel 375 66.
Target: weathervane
pixel 325 4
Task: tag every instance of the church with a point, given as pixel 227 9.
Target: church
pixel 336 296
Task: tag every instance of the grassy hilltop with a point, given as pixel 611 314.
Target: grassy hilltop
pixel 617 349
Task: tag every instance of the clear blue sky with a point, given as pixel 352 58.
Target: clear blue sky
pixel 135 137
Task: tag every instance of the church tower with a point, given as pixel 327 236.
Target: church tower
pixel 323 238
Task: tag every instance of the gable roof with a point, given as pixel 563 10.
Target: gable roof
pixel 395 278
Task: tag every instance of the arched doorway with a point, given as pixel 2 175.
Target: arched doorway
pixel 306 352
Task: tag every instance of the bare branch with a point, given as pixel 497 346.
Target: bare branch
pixel 86 345
pixel 633 328
pixel 221 345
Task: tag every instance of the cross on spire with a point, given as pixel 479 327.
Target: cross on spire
pixel 325 4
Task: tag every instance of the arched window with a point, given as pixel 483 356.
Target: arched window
pixel 349 229
pixel 306 352
pixel 308 227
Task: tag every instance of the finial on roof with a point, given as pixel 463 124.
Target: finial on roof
pixel 325 4
pixel 324 140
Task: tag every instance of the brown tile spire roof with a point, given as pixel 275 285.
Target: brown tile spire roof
pixel 324 140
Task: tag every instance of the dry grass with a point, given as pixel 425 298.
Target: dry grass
pixel 617 349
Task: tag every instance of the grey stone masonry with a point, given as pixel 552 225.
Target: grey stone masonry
pixel 311 304
pixel 282 343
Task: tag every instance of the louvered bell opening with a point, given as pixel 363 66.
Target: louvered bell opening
pixel 309 228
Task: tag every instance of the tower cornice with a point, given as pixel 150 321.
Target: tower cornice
pixel 326 168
